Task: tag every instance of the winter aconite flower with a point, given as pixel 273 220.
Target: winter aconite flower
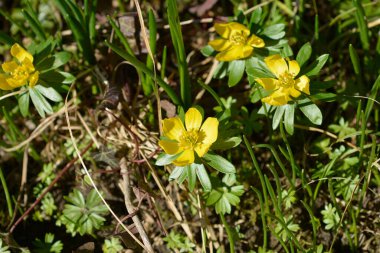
pixel 286 86
pixel 19 71
pixel 236 42
pixel 195 137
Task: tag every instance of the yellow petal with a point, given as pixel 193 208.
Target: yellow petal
pixel 234 26
pixel 267 83
pixel 234 53
pixel 224 29
pixel 302 84
pixel 186 158
pixel 193 119
pixel 170 147
pixel 220 44
pixel 277 98
pixel 294 93
pixel 28 65
pixel 255 41
pixel 4 84
pixel 294 68
pixel 173 128
pixel 33 78
pixel 276 64
pixel 9 66
pixel 20 53
pixel 247 51
pixel 17 82
pixel 202 149
pixel 210 130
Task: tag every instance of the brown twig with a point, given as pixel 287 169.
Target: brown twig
pixel 125 187
pixel 58 177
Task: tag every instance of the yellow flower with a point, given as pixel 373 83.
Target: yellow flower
pixel 235 42
pixel 285 86
pixel 19 71
pixel 196 137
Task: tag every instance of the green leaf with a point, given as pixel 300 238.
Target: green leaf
pixel 165 159
pixel 277 117
pixel 57 77
pixel 213 197
pixel 326 97
pixel 207 51
pixel 191 176
pixel 34 24
pixel 256 16
pixel 224 144
pixel 176 173
pixel 235 72
pixel 6 39
pixel 223 206
pixel 40 102
pixel 317 65
pixel 311 111
pixel 49 93
pixel 354 59
pixel 274 32
pixel 23 103
pixel 202 176
pixel 304 54
pixel 219 163
pixel 256 69
pixel 220 70
pixel 179 48
pixel 183 176
pixel 289 118
pixel 53 62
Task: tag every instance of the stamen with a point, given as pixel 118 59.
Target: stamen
pixel 286 80
pixel 238 38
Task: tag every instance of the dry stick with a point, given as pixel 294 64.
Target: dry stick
pixel 88 130
pixel 24 175
pixel 257 6
pixel 125 188
pixel 41 127
pixel 168 199
pixel 314 129
pixel 58 177
pixel 191 21
pixel 150 53
pixel 89 175
pixel 12 94
pixel 208 79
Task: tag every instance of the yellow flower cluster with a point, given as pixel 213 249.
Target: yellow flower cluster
pixel 235 42
pixel 195 137
pixel 285 86
pixel 19 71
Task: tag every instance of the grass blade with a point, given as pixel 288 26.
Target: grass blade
pixel 142 67
pixel 176 34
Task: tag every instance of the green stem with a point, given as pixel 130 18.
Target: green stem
pixel 6 192
pixel 229 234
pixel 259 172
pixel 213 93
pixel 291 157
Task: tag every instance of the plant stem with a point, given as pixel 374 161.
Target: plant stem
pixel 229 233
pixel 6 192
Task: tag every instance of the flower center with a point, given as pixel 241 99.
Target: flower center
pixel 189 139
pixel 286 80
pixel 238 38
